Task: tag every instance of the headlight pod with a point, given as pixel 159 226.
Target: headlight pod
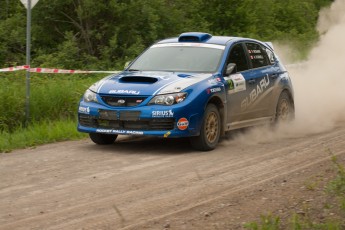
pixel 90 96
pixel 168 99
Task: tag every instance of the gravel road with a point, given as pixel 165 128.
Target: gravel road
pixel 148 183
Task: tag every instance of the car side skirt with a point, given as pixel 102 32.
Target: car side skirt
pixel 248 123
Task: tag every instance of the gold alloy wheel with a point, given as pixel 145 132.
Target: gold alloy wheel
pixel 284 110
pixel 212 127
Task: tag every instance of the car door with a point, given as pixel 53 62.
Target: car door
pixel 235 83
pixel 259 82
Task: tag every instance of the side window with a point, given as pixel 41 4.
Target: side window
pixel 257 55
pixel 270 55
pixel 238 56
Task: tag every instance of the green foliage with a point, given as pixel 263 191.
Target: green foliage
pixel 39 133
pixel 53 109
pixel 268 222
pixel 12 94
pixel 337 186
pixel 298 223
pixel 105 34
pixel 12 34
pixel 52 97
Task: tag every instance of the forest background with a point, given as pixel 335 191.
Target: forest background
pixel 105 34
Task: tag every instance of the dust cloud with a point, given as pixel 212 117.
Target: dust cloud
pixel 319 83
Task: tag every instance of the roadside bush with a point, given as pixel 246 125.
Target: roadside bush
pixel 52 97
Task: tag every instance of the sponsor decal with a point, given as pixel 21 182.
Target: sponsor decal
pixel 182 123
pixel 236 83
pixel 231 84
pixel 213 81
pixel 163 113
pixel 214 90
pixel 255 93
pixel 167 134
pixel 124 91
pixel 254 51
pixel 115 131
pixel 85 110
pixel 256 57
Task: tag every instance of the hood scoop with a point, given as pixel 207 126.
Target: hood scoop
pixel 138 79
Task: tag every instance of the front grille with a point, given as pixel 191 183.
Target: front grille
pixel 108 114
pixel 88 121
pixel 130 115
pixel 154 124
pixel 122 101
pixel 119 115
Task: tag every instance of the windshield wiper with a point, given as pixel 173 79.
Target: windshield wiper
pixel 133 70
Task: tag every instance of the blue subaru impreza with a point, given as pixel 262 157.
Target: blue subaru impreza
pixel 195 85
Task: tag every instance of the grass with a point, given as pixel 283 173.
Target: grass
pixel 337 186
pixel 40 133
pixel 268 222
pixel 52 97
pixel 53 108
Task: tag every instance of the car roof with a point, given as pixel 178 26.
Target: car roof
pixel 200 37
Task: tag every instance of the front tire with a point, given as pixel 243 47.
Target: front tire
pixel 210 130
pixel 103 139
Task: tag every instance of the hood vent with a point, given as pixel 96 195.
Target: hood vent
pixel 138 79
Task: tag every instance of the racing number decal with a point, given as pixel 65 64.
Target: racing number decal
pixel 182 123
pixel 236 83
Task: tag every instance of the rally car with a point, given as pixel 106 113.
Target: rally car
pixel 195 85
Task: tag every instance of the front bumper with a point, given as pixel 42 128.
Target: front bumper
pixel 155 120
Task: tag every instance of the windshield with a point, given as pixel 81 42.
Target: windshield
pixel 176 57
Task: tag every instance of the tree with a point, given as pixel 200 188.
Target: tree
pixel 104 34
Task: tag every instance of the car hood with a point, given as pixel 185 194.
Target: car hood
pixel 148 83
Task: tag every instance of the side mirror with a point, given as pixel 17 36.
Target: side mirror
pixel 127 64
pixel 230 68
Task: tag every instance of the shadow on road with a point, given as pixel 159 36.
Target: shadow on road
pixel 144 145
pixel 154 145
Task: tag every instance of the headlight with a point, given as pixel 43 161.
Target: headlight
pixel 90 96
pixel 168 99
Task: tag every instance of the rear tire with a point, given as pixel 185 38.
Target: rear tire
pixel 285 111
pixel 210 130
pixel 103 139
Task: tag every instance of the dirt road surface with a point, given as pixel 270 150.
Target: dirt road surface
pixel 148 183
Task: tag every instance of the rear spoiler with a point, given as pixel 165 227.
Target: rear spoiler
pixel 270 45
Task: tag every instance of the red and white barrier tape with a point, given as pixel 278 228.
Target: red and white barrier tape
pixel 49 70
pixel 15 68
